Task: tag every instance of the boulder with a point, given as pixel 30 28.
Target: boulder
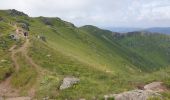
pixel 155 86
pixel 134 95
pixel 68 82
pixel 14 36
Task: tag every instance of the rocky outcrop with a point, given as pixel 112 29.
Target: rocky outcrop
pixel 149 90
pixel 134 95
pixel 14 36
pixel 155 86
pixel 68 82
pixel 14 12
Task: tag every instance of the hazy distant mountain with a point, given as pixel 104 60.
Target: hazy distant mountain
pixel 165 30
pixel 124 29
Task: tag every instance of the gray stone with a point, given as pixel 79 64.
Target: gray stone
pixel 134 95
pixel 68 82
pixel 14 36
pixel 155 86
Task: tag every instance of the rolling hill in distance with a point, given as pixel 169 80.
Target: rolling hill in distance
pixel 38 53
pixel 123 29
pixel 162 30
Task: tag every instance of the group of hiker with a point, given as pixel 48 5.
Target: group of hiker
pixel 24 33
pixel 20 32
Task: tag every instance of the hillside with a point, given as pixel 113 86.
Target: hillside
pixel 141 43
pixel 105 62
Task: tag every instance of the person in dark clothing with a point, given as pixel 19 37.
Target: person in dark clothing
pixel 25 34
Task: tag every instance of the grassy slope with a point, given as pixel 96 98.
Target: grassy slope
pixel 78 53
pixel 80 45
pixel 102 64
pixel 109 38
pixel 153 47
pixel 5 43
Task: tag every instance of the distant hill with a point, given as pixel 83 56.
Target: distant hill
pixel 164 30
pixel 124 29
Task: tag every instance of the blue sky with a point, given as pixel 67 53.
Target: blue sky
pixel 102 13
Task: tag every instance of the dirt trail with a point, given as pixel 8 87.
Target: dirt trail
pixel 40 71
pixel 29 60
pixel 5 88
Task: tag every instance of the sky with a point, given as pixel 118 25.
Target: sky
pixel 101 13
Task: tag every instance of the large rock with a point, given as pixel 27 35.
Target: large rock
pixel 14 36
pixel 134 95
pixel 155 86
pixel 68 82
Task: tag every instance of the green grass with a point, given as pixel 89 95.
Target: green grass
pixel 67 66
pixel 104 63
pixel 25 77
pixel 6 68
pixel 157 44
pixel 93 82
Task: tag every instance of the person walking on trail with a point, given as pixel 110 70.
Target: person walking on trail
pixel 26 34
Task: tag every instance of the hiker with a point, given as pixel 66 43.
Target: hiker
pixel 26 34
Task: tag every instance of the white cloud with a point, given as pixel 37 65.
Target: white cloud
pixel 103 13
